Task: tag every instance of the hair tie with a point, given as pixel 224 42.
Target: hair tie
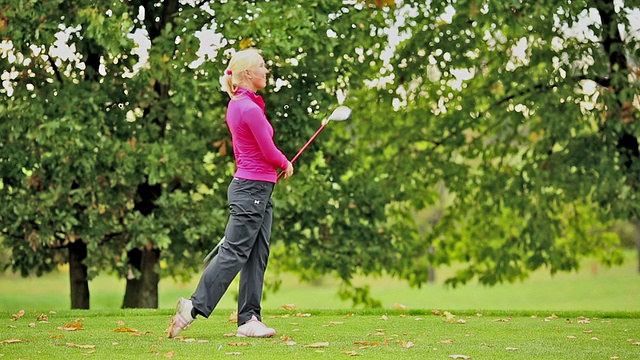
pixel 228 72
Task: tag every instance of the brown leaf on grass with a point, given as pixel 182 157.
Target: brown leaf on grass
pixel 448 341
pixel 384 317
pixel 80 346
pixel 588 331
pixel 42 318
pixel 636 343
pixel 12 341
pixel 32 325
pixel 350 353
pixel 170 354
pixel 17 316
pixel 229 334
pixel 71 327
pixel 303 315
pixel 140 333
pixel 239 343
pixel 501 320
pixel 448 317
pixel 233 318
pixel 460 356
pixel 289 306
pixel 318 345
pixel 331 323
pixel 233 353
pixel 367 343
pixel 436 312
pixel 125 329
pixel 511 348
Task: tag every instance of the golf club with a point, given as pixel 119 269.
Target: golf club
pixel 341 113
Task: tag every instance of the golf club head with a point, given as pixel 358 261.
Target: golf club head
pixel 341 113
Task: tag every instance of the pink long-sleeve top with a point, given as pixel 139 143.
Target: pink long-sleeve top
pixel 256 155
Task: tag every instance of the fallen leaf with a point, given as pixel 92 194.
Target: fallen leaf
pixel 448 341
pixel 17 315
pixel 71 327
pixel 461 321
pixel 42 318
pixel 511 348
pixel 289 306
pixel 449 317
pixel 460 356
pixel 418 319
pixel 189 340
pixel 384 317
pixel 436 312
pixel 125 329
pixel 290 343
pixel 588 331
pixel 32 325
pixel 120 323
pixel 11 341
pixel 203 341
pixel 479 315
pixel 239 343
pixel 303 315
pixel 595 338
pixel 170 354
pixel 233 353
pixel 318 345
pixel 233 318
pixel 367 343
pixel 80 346
pixel 350 353
pixel 636 343
pixel 407 344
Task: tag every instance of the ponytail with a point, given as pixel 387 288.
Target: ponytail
pixel 235 73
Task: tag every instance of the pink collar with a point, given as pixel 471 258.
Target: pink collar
pixel 252 95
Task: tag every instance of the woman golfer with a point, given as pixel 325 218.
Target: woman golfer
pixel 246 245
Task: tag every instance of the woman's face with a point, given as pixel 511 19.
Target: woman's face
pixel 257 75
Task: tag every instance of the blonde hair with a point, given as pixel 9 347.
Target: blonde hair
pixel 235 74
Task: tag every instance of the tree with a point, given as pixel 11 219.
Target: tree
pixel 127 159
pixel 531 127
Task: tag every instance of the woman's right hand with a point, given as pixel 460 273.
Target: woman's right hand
pixel 288 171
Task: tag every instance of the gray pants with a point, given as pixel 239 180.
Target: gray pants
pixel 245 250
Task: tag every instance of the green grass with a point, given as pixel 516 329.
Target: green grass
pixel 592 288
pixel 515 316
pixel 373 334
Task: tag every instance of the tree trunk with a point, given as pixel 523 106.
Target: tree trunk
pixel 142 291
pixel 78 275
pixel 636 224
